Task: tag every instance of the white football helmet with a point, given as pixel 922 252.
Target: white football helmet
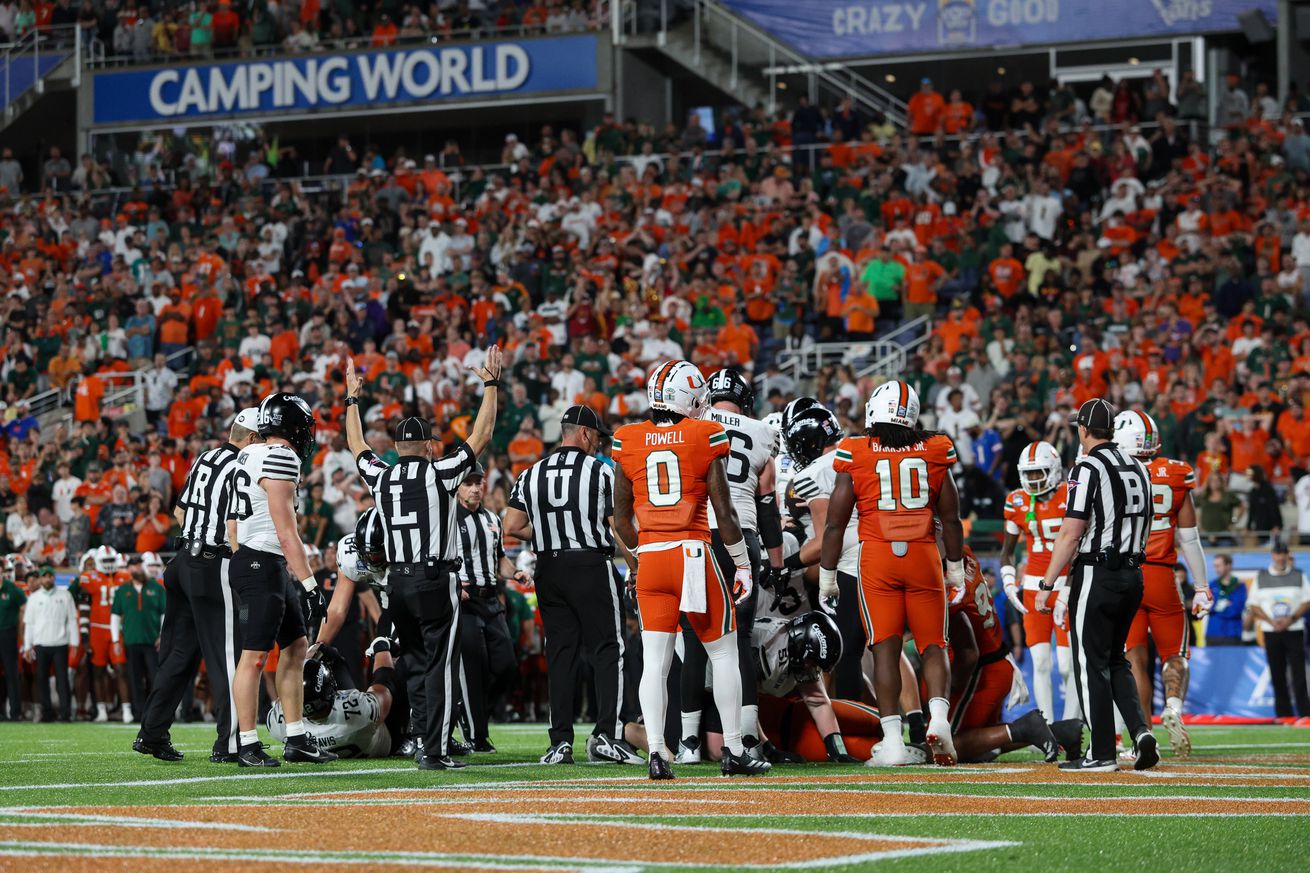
pixel 1040 468
pixel 773 421
pixel 892 402
pixel 1135 434
pixel 677 386
pixel 106 559
pixel 151 563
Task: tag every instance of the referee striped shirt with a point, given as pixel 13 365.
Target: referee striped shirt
pixel 207 494
pixel 569 498
pixel 479 546
pixel 1112 492
pixel 416 501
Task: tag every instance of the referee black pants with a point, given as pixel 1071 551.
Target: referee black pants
pixel 200 621
pixel 581 615
pixel 487 663
pixel 425 613
pixel 695 657
pixel 1102 603
pixel 1286 653
pixel 9 663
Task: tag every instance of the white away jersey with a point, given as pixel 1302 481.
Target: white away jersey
pixel 352 729
pixel 784 470
pixel 787 600
pixel 818 480
pixel 752 445
pixel 773 671
pixel 354 569
pixel 255 463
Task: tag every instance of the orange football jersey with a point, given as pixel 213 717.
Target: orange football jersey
pixel 1039 530
pixel 896 489
pixel 100 588
pixel 977 605
pixel 1171 482
pixel 668 467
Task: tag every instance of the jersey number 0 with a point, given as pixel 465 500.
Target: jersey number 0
pixel 663 479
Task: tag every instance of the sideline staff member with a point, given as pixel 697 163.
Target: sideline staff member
pixel 1105 528
pixel 563 505
pixel 416 500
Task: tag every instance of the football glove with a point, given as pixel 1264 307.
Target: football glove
pixel 742 584
pixel 1202 602
pixel 1060 612
pixel 1012 592
pixel 828 590
pixel 328 655
pixel 313 604
pixel 771 577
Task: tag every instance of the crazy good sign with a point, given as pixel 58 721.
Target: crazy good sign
pixel 346 82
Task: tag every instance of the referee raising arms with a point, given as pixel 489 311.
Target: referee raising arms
pixel 563 505
pixel 1105 528
pixel 416 501
pixel 200 612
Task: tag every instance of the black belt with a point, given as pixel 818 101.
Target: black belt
pixel 1110 560
pixel 202 549
pixel 424 569
pixel 482 592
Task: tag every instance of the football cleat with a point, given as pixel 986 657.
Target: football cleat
pixel 1031 728
pixel 1148 751
pixel 688 751
pixel 458 749
pixel 302 750
pixel 101 716
pixel 1127 756
pixel 560 753
pixel 918 753
pixel 224 758
pixel 603 750
pixel 483 747
pixel 887 754
pixel 742 765
pixel 1069 734
pixel 440 762
pixel 161 749
pixel 775 755
pixel 753 748
pixel 1089 765
pixel 940 743
pixel 408 748
pixel 658 767
pixel 1179 741
pixel 253 755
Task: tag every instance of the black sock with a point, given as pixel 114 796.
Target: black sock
pixel 918 727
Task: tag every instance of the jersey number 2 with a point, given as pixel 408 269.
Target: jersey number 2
pixel 663 479
pixel 1162 498
pixel 913 490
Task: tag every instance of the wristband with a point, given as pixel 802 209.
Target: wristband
pixel 827 577
pixel 1044 587
pixel 491 383
pixel 352 401
pixel 793 562
pixel 309 583
pixel 1008 575
pixel 740 554
pixel 955 567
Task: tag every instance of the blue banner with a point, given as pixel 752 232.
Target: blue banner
pixel 306 83
pixel 835 29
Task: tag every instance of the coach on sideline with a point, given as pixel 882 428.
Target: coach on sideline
pixel 416 499
pixel 200 611
pixel 1105 528
pixel 564 505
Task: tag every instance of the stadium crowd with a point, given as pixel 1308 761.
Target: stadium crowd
pixel 1160 263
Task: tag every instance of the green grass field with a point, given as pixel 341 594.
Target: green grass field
pixel 75 797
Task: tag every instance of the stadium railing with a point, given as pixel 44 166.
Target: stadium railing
pixel 125 393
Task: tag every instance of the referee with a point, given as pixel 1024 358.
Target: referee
pixel 1105 529
pixel 200 612
pixel 564 504
pixel 487 660
pixel 416 500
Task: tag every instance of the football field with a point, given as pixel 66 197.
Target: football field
pixel 75 797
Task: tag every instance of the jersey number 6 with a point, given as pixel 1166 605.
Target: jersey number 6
pixel 913 475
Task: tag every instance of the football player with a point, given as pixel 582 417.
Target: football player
pixel 1162 614
pixel 349 723
pixel 96 589
pixel 1035 511
pixel 362 570
pixel 667 470
pixel 899 476
pixel 750 473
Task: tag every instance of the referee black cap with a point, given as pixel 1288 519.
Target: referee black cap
pixel 584 416
pixel 476 473
pixel 413 430
pixel 1095 415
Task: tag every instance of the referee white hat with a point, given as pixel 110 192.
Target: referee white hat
pixel 248 418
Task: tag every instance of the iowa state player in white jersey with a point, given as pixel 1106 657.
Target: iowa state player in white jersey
pixel 750 474
pixel 264 503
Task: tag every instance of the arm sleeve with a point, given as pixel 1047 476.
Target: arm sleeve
pixel 451 469
pixel 370 468
pixel 769 520
pixel 1082 488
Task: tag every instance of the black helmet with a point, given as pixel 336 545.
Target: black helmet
pixel 809 433
pixel 288 416
pixel 730 385
pixel 813 640
pixel 320 688
pixel 795 408
pixel 370 538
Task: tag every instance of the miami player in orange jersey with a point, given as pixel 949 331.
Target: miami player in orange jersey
pixel 899 475
pixel 1162 613
pixel 1035 511
pixel 984 680
pixel 667 471
pixel 97 588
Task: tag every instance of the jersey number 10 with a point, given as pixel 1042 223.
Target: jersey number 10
pixel 913 488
